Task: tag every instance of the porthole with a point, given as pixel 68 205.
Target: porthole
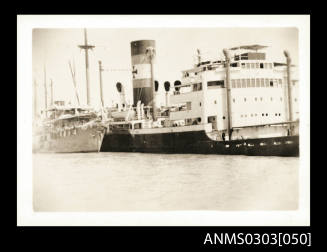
pixel 200 104
pixel 224 117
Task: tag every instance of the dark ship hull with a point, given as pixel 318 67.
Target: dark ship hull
pixel 199 143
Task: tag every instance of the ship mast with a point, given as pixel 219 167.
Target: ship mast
pixel 86 47
pixel 45 92
pixel 289 93
pixel 51 94
pixel 35 99
pixel 101 87
pixel 227 56
pixel 72 71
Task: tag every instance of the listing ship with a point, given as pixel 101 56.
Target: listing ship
pixel 240 104
pixel 70 129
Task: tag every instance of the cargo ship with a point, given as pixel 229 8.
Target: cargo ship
pixel 239 104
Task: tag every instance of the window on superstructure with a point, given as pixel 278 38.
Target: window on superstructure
pixel 266 65
pixel 270 65
pixel 233 64
pixel 238 83
pixel 257 65
pixel 244 56
pixel 188 105
pixel 262 82
pixel 216 83
pixel 233 84
pixel 248 83
pixel 281 99
pixel 243 65
pixel 271 83
pixel 280 82
pixel 275 82
pixel 261 65
pixel 244 99
pixel 243 83
pixel 233 99
pixel 247 65
pixel 252 65
pixel 252 82
pixel 257 82
pixel 200 86
pixel 267 82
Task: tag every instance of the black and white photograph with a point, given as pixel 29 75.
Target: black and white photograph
pixel 163 120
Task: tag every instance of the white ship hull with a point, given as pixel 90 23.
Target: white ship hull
pixel 77 140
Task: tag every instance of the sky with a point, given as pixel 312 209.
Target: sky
pixel 175 51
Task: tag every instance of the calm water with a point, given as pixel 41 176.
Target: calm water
pixel 135 181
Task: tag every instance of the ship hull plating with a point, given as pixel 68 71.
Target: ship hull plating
pixel 81 140
pixel 198 142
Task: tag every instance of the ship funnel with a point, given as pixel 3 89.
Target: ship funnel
pixel 142 52
pixel 177 83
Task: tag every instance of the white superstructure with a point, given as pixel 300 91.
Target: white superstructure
pixel 258 95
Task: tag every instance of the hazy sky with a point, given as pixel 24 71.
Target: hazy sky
pixel 175 51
